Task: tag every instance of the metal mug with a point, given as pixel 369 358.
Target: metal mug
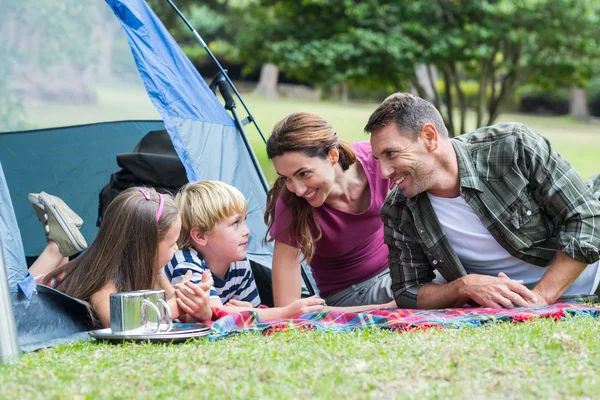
pixel 140 312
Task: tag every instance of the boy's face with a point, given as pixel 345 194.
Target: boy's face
pixel 229 240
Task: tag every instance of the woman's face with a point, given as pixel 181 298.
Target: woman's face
pixel 167 247
pixel 308 177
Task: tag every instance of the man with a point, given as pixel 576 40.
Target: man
pixel 504 219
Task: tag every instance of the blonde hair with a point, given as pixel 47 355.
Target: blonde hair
pixel 204 204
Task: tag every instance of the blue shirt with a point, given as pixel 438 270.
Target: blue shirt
pixel 238 283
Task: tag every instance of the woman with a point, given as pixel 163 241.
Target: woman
pixel 325 204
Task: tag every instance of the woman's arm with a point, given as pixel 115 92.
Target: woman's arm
pixel 287 278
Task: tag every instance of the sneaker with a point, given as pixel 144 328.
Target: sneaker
pixel 38 206
pixel 58 226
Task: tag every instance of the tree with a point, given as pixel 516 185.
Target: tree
pixel 498 43
pixel 328 43
pixel 41 40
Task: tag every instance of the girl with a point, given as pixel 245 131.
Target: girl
pixel 138 236
pixel 325 204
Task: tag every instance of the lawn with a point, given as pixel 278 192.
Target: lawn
pixel 541 359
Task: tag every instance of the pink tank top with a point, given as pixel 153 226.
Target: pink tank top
pixel 351 249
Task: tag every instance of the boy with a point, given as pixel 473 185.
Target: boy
pixel 214 238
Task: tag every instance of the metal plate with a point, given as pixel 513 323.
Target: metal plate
pixel 179 333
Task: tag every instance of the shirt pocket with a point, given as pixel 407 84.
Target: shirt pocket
pixel 528 222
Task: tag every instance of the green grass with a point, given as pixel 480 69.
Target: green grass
pixel 541 359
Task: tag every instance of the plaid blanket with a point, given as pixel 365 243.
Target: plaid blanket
pixel 401 320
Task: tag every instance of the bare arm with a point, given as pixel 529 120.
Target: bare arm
pixel 287 278
pixel 559 277
pixel 100 301
pixel 294 309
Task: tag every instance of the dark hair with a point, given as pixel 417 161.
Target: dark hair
pixel 312 136
pixel 126 248
pixel 409 112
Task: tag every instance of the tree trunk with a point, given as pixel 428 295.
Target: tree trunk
pixel 344 93
pixel 578 106
pixel 425 74
pixel 267 83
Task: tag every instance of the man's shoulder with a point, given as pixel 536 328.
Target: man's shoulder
pixel 505 132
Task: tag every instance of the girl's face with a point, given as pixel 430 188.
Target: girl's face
pixel 168 245
pixel 308 177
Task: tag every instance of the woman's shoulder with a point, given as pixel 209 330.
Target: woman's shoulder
pixel 363 149
pixel 364 155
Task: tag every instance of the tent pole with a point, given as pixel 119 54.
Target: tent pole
pixel 9 346
pixel 212 56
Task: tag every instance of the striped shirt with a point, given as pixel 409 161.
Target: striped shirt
pixel 529 198
pixel 238 283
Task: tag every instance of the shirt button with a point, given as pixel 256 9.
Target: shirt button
pixel 528 212
pixel 434 262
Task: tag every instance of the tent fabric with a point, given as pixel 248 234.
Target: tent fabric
pixel 10 238
pixel 204 135
pixel 73 163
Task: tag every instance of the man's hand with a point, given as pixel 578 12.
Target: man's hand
pixel 303 306
pixel 497 292
pixel 194 299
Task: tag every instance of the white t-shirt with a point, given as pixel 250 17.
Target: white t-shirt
pixel 481 254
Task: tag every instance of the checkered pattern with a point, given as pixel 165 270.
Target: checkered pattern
pixel 401 320
pixel 529 197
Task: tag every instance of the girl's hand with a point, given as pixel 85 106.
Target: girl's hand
pixel 238 303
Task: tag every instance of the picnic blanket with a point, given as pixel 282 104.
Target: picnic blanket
pixel 401 320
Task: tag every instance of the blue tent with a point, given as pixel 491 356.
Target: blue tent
pixel 75 162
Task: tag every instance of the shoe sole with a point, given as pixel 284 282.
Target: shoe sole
pixel 62 207
pixel 75 237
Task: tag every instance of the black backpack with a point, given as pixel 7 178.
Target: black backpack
pixel 152 163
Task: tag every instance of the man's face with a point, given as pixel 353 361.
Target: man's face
pixel 406 162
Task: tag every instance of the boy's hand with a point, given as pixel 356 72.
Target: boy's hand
pixel 194 299
pixel 238 303
pixel 303 306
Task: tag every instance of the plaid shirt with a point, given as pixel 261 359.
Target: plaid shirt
pixel 531 200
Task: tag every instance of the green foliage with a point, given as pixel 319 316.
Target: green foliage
pixel 41 34
pixel 539 100
pixel 497 43
pixel 329 42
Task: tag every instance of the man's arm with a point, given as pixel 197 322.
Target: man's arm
pixel 487 291
pixel 559 277
pixel 562 194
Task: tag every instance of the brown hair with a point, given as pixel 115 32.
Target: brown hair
pixel 409 112
pixel 204 204
pixel 314 137
pixel 126 248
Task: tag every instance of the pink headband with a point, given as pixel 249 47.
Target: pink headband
pixel 161 202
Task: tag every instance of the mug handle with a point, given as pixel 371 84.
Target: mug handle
pixel 167 313
pixel 146 303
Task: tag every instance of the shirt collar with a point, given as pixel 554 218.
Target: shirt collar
pixel 468 175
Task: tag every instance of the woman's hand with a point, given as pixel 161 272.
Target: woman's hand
pixel 303 306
